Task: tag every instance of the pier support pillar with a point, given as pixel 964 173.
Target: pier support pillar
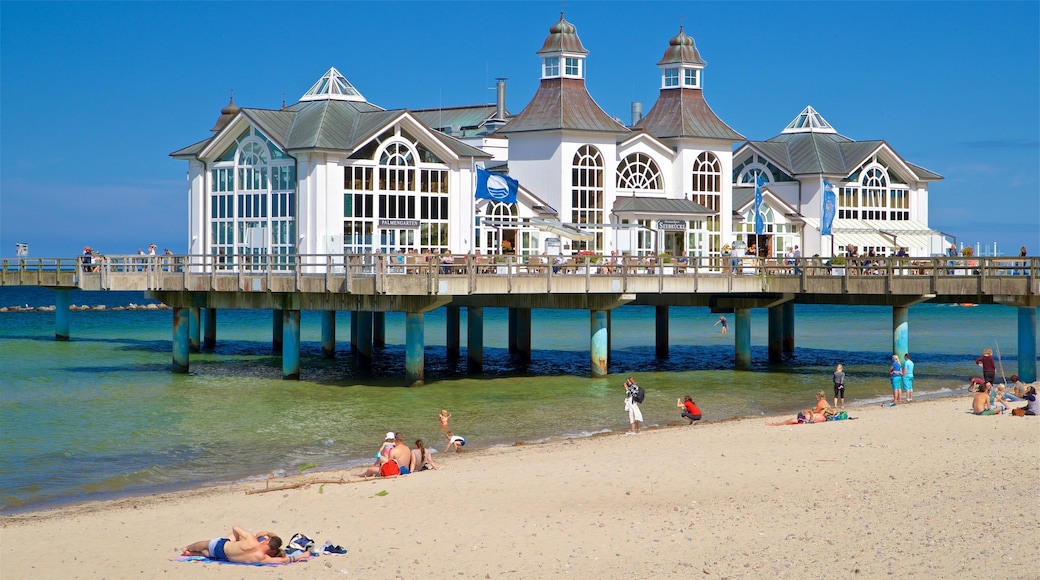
pixel 353 332
pixel 364 339
pixel 776 333
pixel 475 338
pixel 511 332
pixel 788 323
pixel 291 345
pixel 415 343
pixel 62 313
pixel 523 333
pixel 276 331
pixel 194 329
pixel 209 334
pixel 661 341
pixel 742 326
pixel 598 342
pixel 610 334
pixel 180 340
pixel 451 329
pixel 900 331
pixel 328 334
pixel 1027 344
pixel 379 329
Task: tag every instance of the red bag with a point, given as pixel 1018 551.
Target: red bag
pixel 389 468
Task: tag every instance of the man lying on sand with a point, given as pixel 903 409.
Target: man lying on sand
pixel 244 548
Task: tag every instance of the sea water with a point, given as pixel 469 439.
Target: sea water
pixel 102 416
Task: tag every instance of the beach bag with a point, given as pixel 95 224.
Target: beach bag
pixel 389 468
pixel 639 395
pixel 1019 412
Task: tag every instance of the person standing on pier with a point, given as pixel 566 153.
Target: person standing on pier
pixel 908 377
pixel 989 368
pixel 895 371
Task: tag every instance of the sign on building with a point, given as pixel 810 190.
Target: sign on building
pixel 671 225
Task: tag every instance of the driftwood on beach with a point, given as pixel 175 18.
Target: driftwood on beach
pixel 300 484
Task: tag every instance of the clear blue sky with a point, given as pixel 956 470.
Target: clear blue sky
pixel 95 95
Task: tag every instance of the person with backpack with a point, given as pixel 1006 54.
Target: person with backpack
pixel 634 395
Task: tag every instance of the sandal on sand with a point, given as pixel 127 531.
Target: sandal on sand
pixel 337 549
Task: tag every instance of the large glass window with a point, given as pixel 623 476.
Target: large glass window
pixel 707 191
pixel 587 204
pixel 639 172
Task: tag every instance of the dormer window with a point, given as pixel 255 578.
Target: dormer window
pixel 671 77
pixel 692 78
pixel 551 67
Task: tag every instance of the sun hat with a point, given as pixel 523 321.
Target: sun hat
pixel 390 435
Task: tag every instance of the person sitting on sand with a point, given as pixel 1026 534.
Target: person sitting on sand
pixel 690 409
pixel 423 457
pixel 980 403
pixel 821 401
pixel 454 442
pixel 1016 387
pixel 383 456
pixel 402 455
pixel 244 548
pixel 1032 406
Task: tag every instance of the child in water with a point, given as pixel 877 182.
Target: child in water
pixel 454 441
pixel 444 416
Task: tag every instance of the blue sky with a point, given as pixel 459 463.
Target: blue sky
pixel 95 95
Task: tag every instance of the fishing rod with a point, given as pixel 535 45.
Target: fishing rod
pixel 1000 362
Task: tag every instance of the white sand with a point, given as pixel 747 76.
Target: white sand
pixel 923 489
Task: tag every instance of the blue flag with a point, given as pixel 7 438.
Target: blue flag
pixel 495 186
pixel 830 203
pixel 759 225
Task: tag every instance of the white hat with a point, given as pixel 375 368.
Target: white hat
pixel 390 435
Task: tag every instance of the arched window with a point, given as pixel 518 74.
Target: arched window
pixel 874 194
pixel 707 187
pixel 639 172
pixel 587 194
pixel 752 173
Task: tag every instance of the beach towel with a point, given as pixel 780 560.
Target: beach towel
pixel 211 561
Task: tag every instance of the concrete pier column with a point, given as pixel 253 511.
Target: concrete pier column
pixel 291 345
pixel 415 343
pixel 475 338
pixel 1027 344
pixel 742 326
pixel 364 339
pixel 62 313
pixel 900 330
pixel 662 331
pixel 353 331
pixel 511 334
pixel 276 331
pixel 379 329
pixel 610 334
pixel 598 342
pixel 194 329
pixel 776 333
pixel 328 334
pixel 209 333
pixel 452 316
pixel 788 327
pixel 523 333
pixel 180 340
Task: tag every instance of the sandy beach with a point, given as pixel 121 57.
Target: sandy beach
pixel 923 489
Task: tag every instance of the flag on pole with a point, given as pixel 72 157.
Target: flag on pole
pixel 759 224
pixel 496 187
pixel 830 203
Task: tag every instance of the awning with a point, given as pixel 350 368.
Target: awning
pixel 911 235
pixel 555 227
pixel 660 207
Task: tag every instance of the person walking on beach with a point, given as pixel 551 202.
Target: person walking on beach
pixel 908 377
pixel 690 409
pixel 722 320
pixel 633 397
pixel 839 386
pixel 989 368
pixel 895 372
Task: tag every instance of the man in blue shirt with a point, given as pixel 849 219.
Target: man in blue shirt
pixel 908 377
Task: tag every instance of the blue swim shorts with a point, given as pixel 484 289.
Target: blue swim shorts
pixel 897 383
pixel 404 470
pixel 216 549
pixel 908 383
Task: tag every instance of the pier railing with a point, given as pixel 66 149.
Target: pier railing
pixel 410 274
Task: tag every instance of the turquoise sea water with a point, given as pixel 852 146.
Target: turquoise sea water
pixel 102 416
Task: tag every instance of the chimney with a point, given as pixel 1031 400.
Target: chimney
pixel 637 112
pixel 500 112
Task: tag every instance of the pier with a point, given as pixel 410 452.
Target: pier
pixel 369 285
